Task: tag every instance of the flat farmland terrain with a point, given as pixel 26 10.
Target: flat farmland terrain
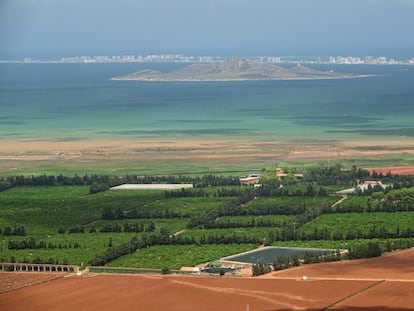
pixel 395 170
pixel 12 281
pixel 130 292
pixel 383 283
pixel 389 295
pixel 392 266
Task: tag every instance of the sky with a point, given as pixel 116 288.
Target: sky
pixel 56 28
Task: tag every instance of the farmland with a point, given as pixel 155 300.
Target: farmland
pixel 383 283
pixel 68 223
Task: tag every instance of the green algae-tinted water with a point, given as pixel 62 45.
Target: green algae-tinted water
pixel 78 101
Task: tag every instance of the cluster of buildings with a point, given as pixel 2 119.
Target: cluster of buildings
pixel 254 179
pixel 126 59
pixel 368 60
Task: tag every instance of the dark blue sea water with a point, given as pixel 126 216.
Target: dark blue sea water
pixel 78 101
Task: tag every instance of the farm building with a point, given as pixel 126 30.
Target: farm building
pixel 281 175
pixel 251 179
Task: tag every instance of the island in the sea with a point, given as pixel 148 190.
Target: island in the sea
pixel 237 69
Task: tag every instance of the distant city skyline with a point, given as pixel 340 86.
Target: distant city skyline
pixel 50 29
pixel 180 58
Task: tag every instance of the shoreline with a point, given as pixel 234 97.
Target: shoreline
pixel 190 156
pixel 54 145
pixel 240 80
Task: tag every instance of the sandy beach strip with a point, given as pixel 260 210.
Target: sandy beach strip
pixel 46 145
pixel 206 149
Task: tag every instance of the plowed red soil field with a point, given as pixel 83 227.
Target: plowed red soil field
pixel 130 292
pixel 384 283
pixel 386 296
pixel 396 170
pixel 11 281
pixel 397 265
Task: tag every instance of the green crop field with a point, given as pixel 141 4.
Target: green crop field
pixel 287 205
pixel 256 233
pixel 68 224
pixel 176 256
pixel 361 224
pixel 275 220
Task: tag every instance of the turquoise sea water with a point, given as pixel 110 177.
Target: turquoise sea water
pixel 78 101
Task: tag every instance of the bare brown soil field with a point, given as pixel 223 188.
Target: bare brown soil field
pixel 392 266
pixel 388 295
pixel 384 283
pixel 400 170
pixel 130 292
pixel 12 281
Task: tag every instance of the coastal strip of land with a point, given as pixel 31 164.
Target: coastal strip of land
pixel 193 156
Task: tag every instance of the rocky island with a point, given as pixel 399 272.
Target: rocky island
pixel 237 69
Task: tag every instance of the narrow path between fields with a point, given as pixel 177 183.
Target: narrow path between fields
pixel 344 197
pixel 178 233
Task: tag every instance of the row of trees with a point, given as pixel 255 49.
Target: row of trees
pixel 285 262
pixel 33 244
pixel 14 231
pixel 36 260
pixel 334 175
pixel 127 227
pixel 118 214
pixel 381 232
pixel 371 207
pixel 265 190
pixel 370 249
pixel 260 268
pixel 99 183
pixel 60 180
pixel 240 224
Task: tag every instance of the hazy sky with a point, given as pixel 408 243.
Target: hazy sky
pixel 54 28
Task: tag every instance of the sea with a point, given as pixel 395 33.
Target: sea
pixel 69 102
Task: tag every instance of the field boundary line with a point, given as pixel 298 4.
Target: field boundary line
pixel 32 284
pixel 352 295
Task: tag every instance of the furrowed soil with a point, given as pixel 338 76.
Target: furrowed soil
pixel 12 281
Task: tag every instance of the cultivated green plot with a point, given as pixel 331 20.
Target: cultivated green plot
pixel 388 244
pixel 77 249
pixel 176 256
pixel 67 224
pixel 238 235
pixel 353 204
pixel 44 209
pixel 185 206
pixel 47 208
pixel 359 225
pixel 139 225
pixel 287 205
pixel 255 221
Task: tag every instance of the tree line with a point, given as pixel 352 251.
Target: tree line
pixel 14 231
pixel 103 182
pixel 381 232
pixel 32 243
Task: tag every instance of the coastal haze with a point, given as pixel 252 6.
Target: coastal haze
pixel 49 29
